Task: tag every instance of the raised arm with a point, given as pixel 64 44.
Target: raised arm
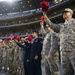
pixel 43 32
pixel 20 45
pixel 52 25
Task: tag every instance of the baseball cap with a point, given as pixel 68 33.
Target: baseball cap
pixel 68 10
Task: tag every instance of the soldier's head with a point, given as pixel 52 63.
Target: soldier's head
pixel 25 39
pixel 67 13
pixel 22 40
pixel 48 29
pixel 35 34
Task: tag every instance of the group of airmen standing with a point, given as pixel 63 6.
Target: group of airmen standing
pixel 62 42
pixel 53 44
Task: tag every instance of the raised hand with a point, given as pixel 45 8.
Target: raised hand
pixel 44 15
pixel 41 23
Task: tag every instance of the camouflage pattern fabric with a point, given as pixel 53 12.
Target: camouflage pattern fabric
pixel 11 59
pixel 50 47
pixel 67 44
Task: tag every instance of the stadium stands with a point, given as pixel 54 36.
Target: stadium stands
pixel 31 18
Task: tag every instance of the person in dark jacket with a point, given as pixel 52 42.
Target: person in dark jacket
pixel 26 57
pixel 35 56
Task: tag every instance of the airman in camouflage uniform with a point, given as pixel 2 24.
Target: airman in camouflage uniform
pixel 18 60
pixel 50 46
pixel 67 41
pixel 11 59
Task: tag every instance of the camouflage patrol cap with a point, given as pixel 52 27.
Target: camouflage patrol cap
pixel 68 10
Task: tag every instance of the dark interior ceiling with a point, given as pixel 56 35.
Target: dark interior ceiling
pixel 19 6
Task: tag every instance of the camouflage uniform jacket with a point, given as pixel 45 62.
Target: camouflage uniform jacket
pixel 50 43
pixel 67 34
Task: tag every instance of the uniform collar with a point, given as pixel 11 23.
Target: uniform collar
pixel 67 22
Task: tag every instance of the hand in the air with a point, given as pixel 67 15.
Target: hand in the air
pixel 41 23
pixel 44 15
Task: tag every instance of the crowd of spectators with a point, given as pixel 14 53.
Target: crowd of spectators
pixel 21 32
pixel 20 20
pixel 27 19
pixel 10 34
